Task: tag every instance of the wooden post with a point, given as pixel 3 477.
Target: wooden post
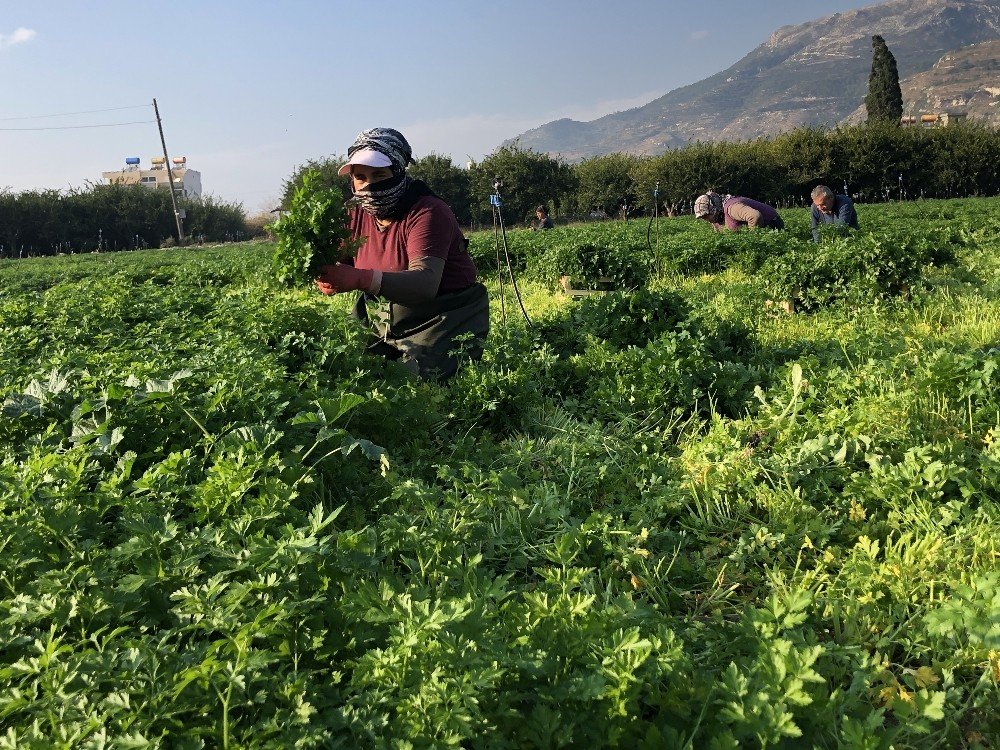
pixel 170 177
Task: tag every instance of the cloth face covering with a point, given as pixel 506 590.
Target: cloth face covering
pixel 381 199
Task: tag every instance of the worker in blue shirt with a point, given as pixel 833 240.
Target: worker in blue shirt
pixel 828 208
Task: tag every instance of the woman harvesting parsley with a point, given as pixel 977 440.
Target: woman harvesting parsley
pixel 413 256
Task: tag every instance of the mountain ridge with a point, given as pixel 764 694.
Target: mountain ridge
pixel 814 73
pixel 965 80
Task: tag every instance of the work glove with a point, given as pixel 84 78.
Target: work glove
pixel 339 278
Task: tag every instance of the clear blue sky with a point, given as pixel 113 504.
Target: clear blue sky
pixel 248 90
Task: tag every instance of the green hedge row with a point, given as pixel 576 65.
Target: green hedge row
pixel 108 218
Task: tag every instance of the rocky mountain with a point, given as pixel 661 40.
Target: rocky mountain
pixel 814 73
pixel 965 80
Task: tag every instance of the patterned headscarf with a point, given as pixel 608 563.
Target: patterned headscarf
pixel 381 199
pixel 708 204
pixel 386 141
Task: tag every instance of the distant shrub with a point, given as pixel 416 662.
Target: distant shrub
pixel 860 269
pixel 620 319
pixel 626 264
pixel 746 250
pixel 257 225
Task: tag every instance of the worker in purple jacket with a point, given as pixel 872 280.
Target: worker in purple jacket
pixel 735 212
pixel 828 208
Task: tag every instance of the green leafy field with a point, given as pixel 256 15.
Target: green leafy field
pixel 672 518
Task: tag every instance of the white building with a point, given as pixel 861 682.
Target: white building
pixel 187 182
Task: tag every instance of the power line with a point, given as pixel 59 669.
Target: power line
pixel 67 114
pixel 77 127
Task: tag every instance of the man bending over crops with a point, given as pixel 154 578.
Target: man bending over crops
pixel 828 208
pixel 735 212
pixel 414 256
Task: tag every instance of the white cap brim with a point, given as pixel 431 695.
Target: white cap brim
pixel 368 157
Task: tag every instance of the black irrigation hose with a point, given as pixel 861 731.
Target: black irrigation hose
pixel 496 244
pixel 649 227
pixel 498 221
pixel 510 270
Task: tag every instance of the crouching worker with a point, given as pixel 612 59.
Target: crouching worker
pixel 736 212
pixel 544 220
pixel 828 208
pixel 414 257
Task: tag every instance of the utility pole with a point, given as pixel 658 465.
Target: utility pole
pixel 170 177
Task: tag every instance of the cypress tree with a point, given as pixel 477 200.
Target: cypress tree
pixel 885 99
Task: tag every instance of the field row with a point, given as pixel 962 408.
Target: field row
pixel 665 517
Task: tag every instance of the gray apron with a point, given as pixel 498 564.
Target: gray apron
pixel 424 336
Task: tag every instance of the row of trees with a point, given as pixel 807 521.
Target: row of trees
pixel 107 217
pixel 874 162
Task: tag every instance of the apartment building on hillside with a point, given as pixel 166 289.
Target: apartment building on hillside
pixel 933 119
